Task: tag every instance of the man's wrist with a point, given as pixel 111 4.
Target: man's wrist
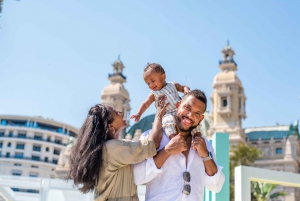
pixel 205 155
pixel 207 158
pixel 166 151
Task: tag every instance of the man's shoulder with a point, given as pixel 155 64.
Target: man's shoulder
pixel 165 139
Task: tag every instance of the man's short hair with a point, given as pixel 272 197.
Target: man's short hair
pixel 200 95
pixel 157 67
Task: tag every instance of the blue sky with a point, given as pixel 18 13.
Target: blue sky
pixel 55 56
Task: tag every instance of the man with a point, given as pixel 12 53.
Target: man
pixel 184 164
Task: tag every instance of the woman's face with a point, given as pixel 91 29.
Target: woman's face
pixel 118 124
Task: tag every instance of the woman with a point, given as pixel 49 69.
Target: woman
pixel 103 163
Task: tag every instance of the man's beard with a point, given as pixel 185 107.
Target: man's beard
pixel 178 120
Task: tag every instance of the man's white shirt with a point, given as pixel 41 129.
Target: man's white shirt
pixel 167 183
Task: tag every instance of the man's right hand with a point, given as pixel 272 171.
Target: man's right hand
pixel 176 145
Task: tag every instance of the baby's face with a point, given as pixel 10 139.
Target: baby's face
pixel 154 80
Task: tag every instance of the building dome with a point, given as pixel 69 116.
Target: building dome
pixel 115 88
pixel 227 77
pixel 144 124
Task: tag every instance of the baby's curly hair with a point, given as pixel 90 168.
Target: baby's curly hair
pixel 157 67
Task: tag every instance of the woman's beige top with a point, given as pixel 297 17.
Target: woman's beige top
pixel 116 182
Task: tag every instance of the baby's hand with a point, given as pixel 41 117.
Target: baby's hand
pixel 136 117
pixel 186 89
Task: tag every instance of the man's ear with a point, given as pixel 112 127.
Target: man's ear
pixel 202 117
pixel 177 104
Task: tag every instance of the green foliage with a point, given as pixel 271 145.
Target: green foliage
pixel 242 154
pixel 262 191
pixel 1 2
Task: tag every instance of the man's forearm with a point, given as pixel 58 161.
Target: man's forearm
pixel 160 158
pixel 210 167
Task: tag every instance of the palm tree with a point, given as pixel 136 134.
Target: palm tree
pixel 241 154
pixel 262 191
pixel 1 2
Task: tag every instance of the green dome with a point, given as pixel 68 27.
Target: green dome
pixel 144 124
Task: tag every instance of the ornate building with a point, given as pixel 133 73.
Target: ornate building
pixel 32 146
pixel 115 93
pixel 228 99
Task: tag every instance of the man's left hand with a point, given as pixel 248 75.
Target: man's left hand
pixel 199 144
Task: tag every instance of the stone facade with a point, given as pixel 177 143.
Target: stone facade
pixel 115 93
pixel 228 99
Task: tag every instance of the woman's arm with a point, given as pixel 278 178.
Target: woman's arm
pixel 144 106
pixel 156 132
pixel 120 153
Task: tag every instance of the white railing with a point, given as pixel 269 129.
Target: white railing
pixel 45 190
pixel 244 175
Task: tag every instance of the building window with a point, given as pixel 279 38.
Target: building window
pixel 54 161
pixel 224 102
pixel 34 166
pixel 36 148
pixel 278 150
pixel 21 135
pixel 17 164
pixel 1 133
pixel 11 134
pixel 7 155
pixel 46 159
pixel 47 149
pixel 56 152
pixel 19 155
pixel 33 174
pixel 38 137
pixel 35 158
pixel 16 172
pixel 57 141
pixel 48 139
pixel 1 144
pixel 20 146
pixel 9 144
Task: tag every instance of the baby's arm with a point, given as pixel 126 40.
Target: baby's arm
pixel 149 100
pixel 182 88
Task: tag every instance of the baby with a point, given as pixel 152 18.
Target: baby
pixel 155 78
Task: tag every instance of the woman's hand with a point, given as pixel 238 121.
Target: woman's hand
pixel 157 131
pixel 161 106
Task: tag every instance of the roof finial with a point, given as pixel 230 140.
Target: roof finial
pixel 227 42
pixel 119 56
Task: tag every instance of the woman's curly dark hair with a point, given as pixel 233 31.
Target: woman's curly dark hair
pixel 86 155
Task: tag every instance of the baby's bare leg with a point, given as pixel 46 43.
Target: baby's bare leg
pixel 168 123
